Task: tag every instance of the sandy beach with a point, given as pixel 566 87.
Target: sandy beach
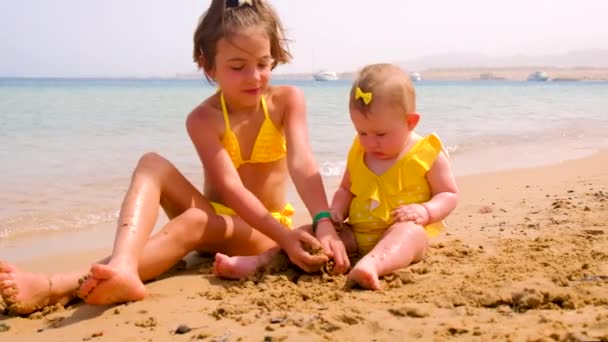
pixel 524 258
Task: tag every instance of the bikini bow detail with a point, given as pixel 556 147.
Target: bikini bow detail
pixel 365 96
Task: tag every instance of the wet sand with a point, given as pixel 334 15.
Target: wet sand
pixel 524 258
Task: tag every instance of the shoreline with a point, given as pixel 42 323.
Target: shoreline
pixel 524 245
pixel 101 235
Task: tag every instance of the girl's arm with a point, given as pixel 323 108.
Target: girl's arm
pixel 443 188
pixel 300 161
pixel 306 176
pixel 219 168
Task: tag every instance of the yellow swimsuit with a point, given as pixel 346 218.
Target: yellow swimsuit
pixel 376 196
pixel 269 146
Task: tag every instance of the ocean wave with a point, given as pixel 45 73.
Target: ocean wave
pixel 27 225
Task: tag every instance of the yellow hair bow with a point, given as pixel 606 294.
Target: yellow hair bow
pixel 366 97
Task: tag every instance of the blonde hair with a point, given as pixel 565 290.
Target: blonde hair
pixel 220 22
pixel 387 83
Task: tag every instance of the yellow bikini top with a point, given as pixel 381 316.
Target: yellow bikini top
pixel 269 145
pixel 403 183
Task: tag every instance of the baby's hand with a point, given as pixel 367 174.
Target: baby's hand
pixel 416 213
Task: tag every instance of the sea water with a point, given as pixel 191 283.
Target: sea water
pixel 68 146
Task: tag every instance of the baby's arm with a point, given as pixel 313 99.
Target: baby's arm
pixel 444 196
pixel 341 201
pixel 443 189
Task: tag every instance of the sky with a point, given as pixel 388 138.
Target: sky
pixel 141 38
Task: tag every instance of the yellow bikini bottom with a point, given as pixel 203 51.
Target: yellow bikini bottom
pixel 283 216
pixel 369 234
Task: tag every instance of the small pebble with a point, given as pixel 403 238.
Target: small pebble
pixel 182 329
pixel 275 320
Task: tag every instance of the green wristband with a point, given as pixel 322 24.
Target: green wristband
pixel 320 216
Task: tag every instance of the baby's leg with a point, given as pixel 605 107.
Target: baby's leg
pixel 25 292
pixel 402 244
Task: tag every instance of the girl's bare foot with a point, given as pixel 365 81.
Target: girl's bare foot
pixel 108 284
pixel 23 292
pixel 365 274
pixel 236 267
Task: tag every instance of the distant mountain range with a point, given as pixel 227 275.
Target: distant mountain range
pixel 597 58
pixel 474 63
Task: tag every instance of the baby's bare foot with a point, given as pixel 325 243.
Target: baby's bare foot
pixel 108 284
pixel 365 275
pixel 23 292
pixel 237 267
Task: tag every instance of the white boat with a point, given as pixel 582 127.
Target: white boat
pixel 415 76
pixel 538 76
pixel 325 75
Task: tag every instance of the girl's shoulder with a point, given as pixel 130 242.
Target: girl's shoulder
pixel 285 101
pixel 284 95
pixel 207 114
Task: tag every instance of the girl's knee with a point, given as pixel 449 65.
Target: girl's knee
pixel 189 227
pixel 151 159
pixel 152 162
pixel 152 165
pixel 194 218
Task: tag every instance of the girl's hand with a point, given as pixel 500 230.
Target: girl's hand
pixel 333 246
pixel 297 247
pixel 416 213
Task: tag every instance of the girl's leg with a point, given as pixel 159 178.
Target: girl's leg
pixel 149 187
pixel 154 180
pixel 242 266
pixel 193 226
pixel 196 231
pixel 402 244
pixel 26 292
